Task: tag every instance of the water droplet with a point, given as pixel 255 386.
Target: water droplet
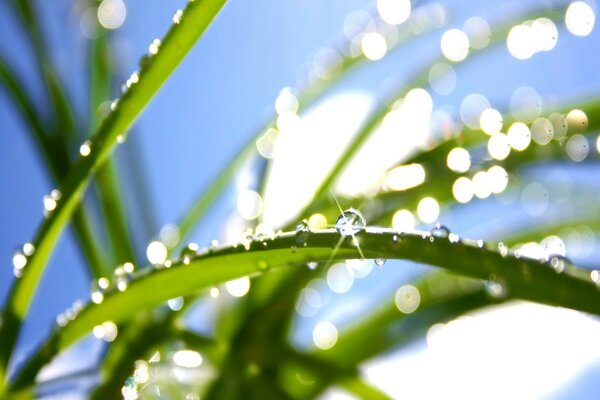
pixel 177 16
pixel 440 231
pixel 51 201
pixel 175 304
pixel 480 243
pixel 121 139
pixel 99 289
pixel 496 288
pixel 213 244
pixel 106 331
pixel 380 262
pixel 122 276
pixel 395 238
pixel 453 238
pixel 188 253
pixel 312 265
pixel 350 222
pixel 302 231
pixel 28 249
pixel 502 249
pixel 19 261
pixel 154 46
pixel 595 276
pixel 86 148
pixel 558 262
pixel 114 105
pixel 431 239
pixel 246 238
pixel 62 320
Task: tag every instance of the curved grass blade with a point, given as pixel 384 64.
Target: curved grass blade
pixel 153 74
pixel 524 278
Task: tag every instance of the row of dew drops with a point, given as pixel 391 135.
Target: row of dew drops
pixel 350 223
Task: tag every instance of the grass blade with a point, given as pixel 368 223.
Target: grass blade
pixel 176 44
pixel 524 278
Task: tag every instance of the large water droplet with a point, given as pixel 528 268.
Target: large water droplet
pixel 302 231
pixel 86 148
pixel 188 253
pixel 350 222
pixel 558 262
pixel 380 262
pixel 440 231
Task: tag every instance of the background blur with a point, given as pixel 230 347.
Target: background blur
pixel 226 89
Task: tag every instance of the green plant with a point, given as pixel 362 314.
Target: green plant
pixel 250 346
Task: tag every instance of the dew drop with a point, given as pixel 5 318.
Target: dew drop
pixel 480 243
pixel 86 148
pixel 495 288
pixel 431 239
pixel 453 238
pixel 502 249
pixel 395 239
pixel 62 320
pixel 154 46
pixel 121 139
pixel 177 17
pixel 114 105
pixel 99 289
pixel 19 261
pixel 595 276
pixel 558 262
pixel 188 253
pixel 440 231
pixel 246 238
pixel 302 231
pixel 350 222
pixel 28 249
pixel 380 262
pixel 123 276
pixel 312 265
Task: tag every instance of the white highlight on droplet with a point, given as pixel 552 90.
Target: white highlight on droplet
pixel 156 252
pixel 428 210
pixel 238 287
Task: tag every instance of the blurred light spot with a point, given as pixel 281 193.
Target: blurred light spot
pixel 141 374
pixel 325 335
pixel 519 136
pixel 428 210
pixel 542 131
pixel 577 148
pixel 169 235
pixel 327 63
pixel 308 303
pixel 525 103
pixel 112 13
pixel 534 199
pixel 491 121
pixel 598 144
pixel 340 278
pixel 442 78
pixel 459 160
pixel 360 268
pixel 187 359
pixel 265 144
pixel 577 121
pixel 403 220
pixel 156 252
pixel 373 45
pixel 404 177
pixel 580 18
pixel 462 189
pixel 238 287
pixel 418 102
pixel 407 299
pixel 455 45
pixel 471 108
pixel 545 34
pixel 519 43
pixel 394 12
pixel 249 204
pixel 481 185
pixel 214 292
pixel 317 221
pixel 498 179
pixel 286 101
pixel 479 32
pixel 498 146
pixel 88 23
pixel 106 331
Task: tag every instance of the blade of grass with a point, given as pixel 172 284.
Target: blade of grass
pixel 153 74
pixel 524 278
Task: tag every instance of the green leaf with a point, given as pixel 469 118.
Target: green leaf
pixel 522 277
pixel 155 71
